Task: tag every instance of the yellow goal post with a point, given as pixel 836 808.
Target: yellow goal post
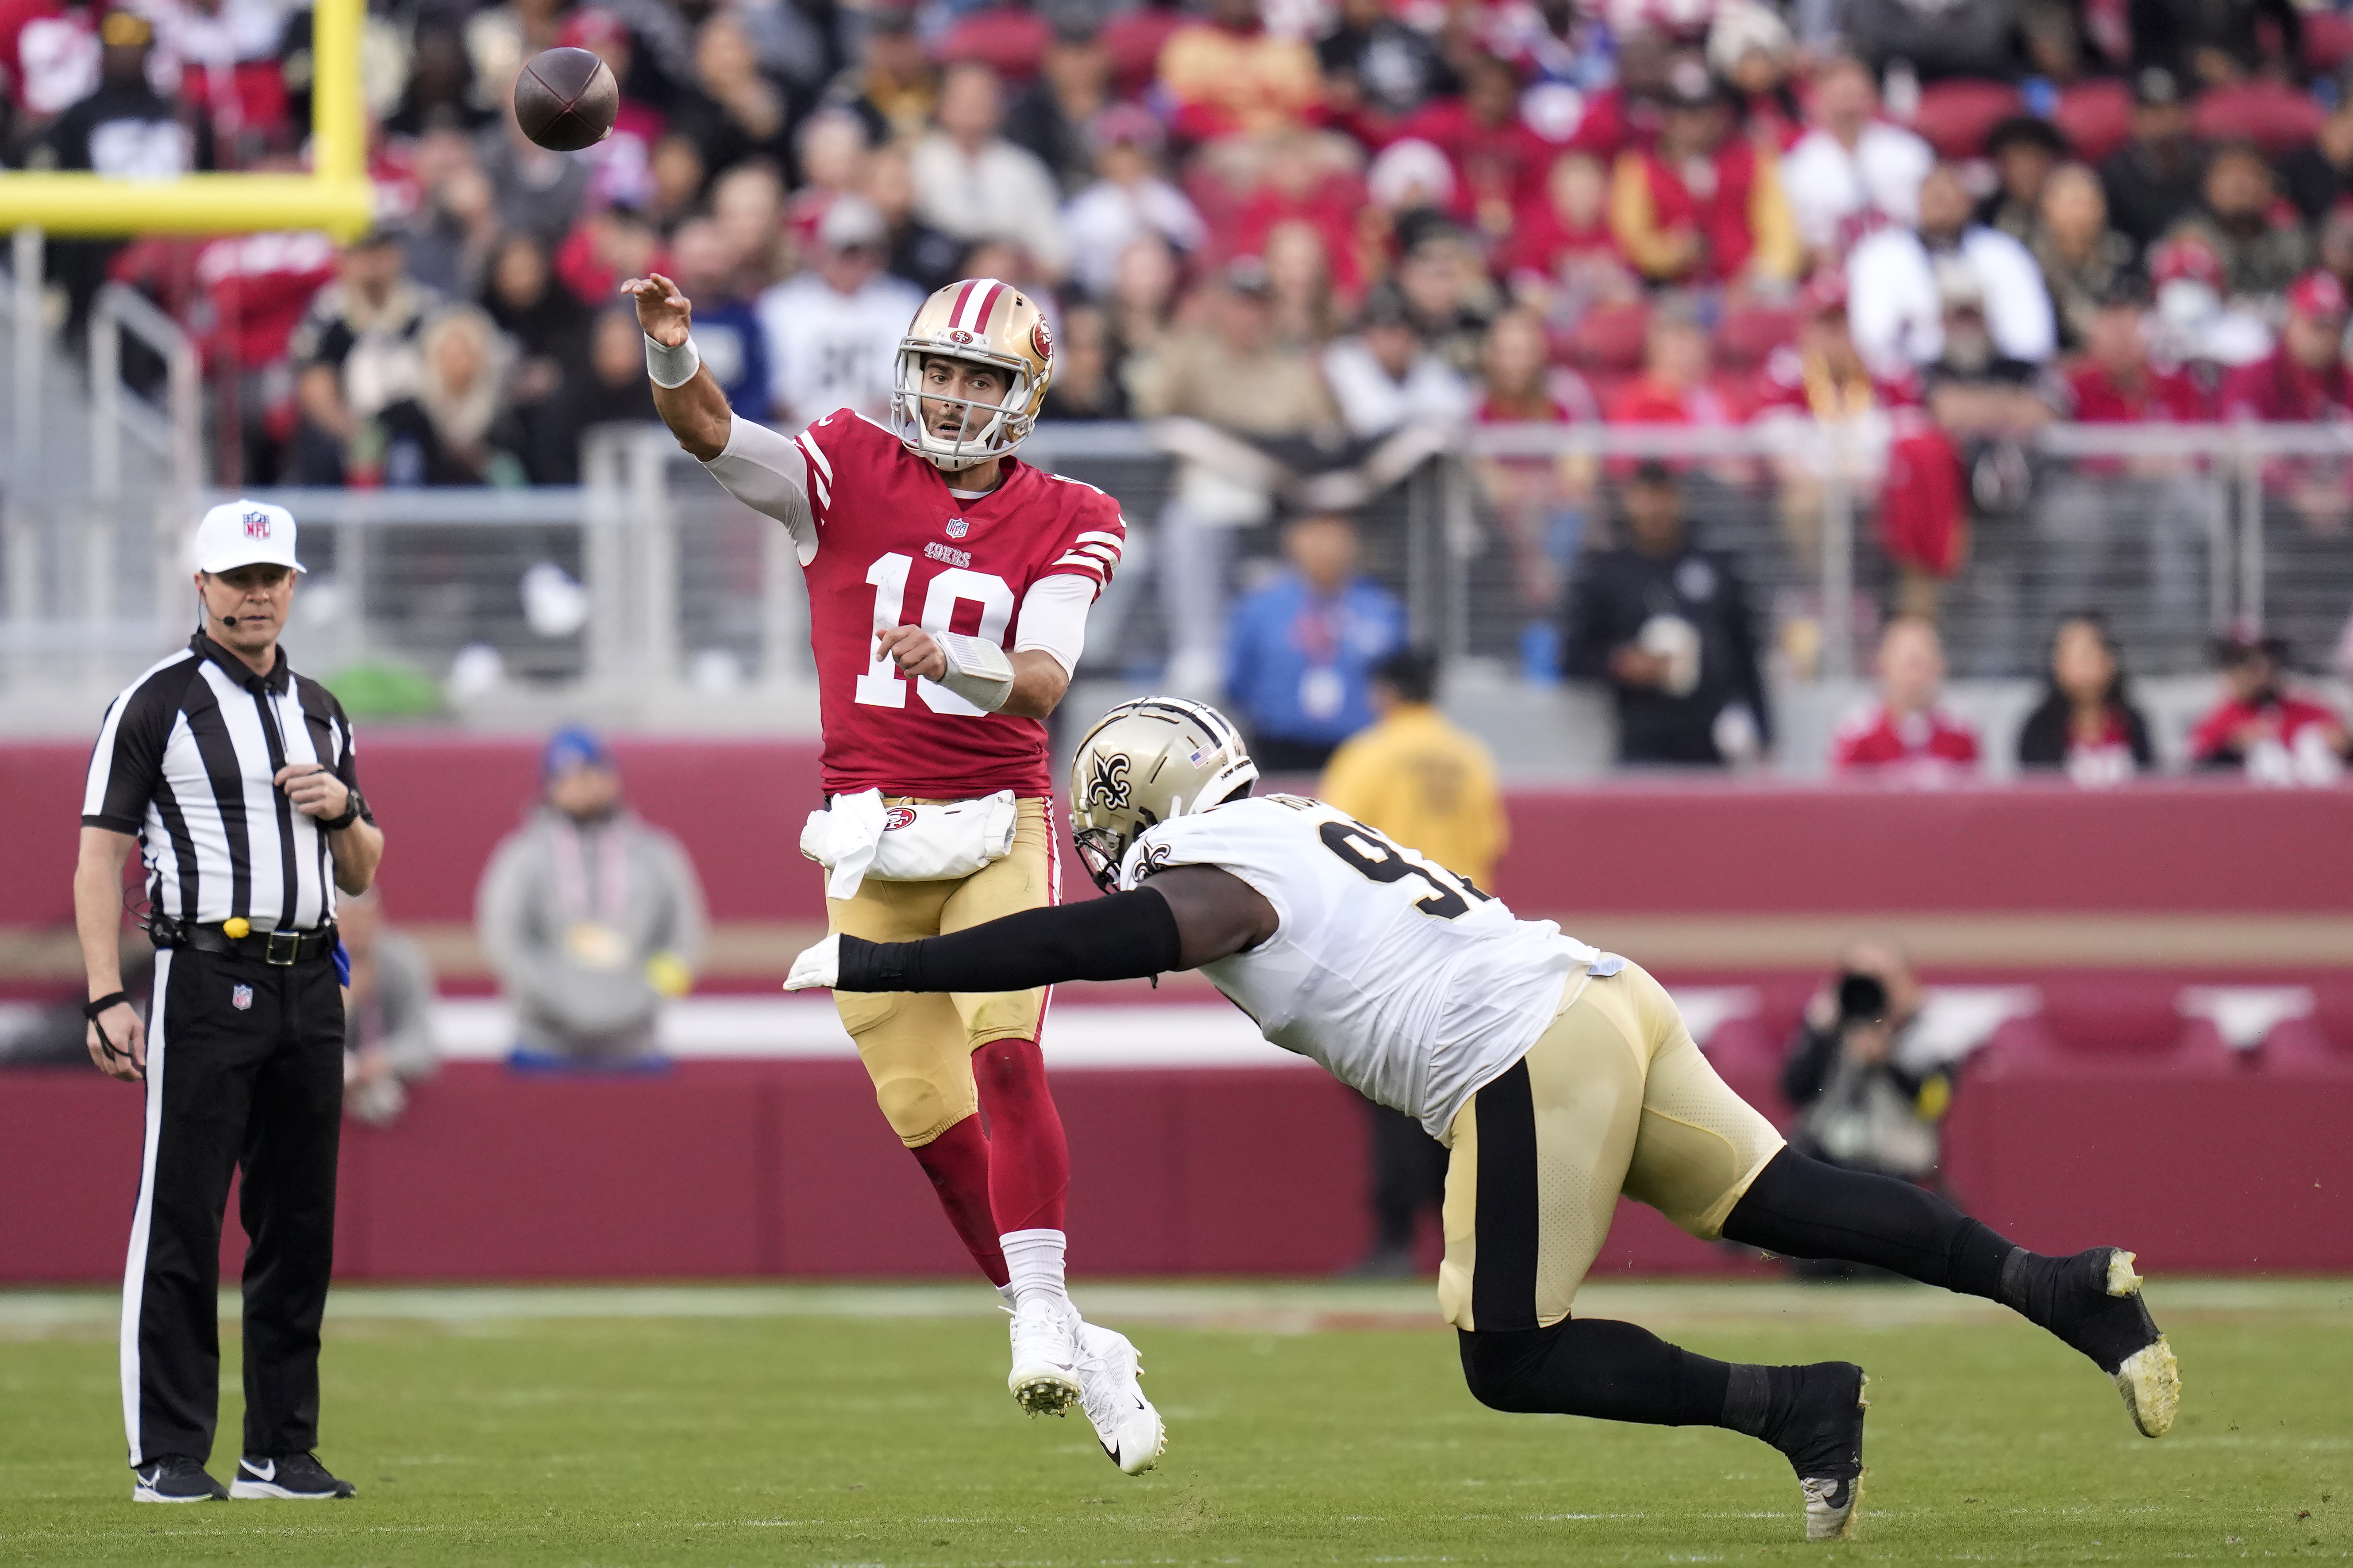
pixel 336 195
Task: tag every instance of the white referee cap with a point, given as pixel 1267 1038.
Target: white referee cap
pixel 246 533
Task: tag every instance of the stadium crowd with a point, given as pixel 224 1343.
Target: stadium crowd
pixel 1968 220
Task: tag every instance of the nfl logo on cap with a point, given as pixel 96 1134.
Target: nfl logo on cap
pixel 241 997
pixel 246 533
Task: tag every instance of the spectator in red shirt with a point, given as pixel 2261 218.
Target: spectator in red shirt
pixel 1822 380
pixel 1905 738
pixel 1703 206
pixel 2157 507
pixel 2262 730
pixel 1227 73
pixel 1561 256
pixel 1499 163
pixel 1540 500
pixel 2086 724
pixel 2304 381
pixel 2115 383
pixel 1676 386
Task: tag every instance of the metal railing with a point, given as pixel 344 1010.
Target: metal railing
pixel 647 591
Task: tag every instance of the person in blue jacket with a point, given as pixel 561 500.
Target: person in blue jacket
pixel 1300 651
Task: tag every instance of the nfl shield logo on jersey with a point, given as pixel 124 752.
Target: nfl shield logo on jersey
pixel 240 997
pixel 958 528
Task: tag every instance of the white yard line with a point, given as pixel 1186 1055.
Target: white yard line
pixel 1273 1308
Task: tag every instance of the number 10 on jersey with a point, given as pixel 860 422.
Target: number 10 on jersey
pixel 883 685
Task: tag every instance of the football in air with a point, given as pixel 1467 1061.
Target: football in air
pixel 566 100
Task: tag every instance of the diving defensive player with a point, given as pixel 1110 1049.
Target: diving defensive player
pixel 1559 1076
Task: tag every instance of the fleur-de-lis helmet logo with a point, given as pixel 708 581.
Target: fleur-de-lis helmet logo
pixel 1110 790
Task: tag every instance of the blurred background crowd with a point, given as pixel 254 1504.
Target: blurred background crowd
pixel 1320 220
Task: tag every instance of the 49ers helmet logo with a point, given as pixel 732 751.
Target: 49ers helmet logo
pixel 1042 340
pixel 1110 790
pixel 959 336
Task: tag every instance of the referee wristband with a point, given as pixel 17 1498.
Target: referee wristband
pixel 91 1010
pixel 671 368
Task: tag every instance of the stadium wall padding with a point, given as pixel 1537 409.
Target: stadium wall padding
pixel 725 1170
pixel 1651 846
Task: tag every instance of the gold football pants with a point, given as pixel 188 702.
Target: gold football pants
pixel 918 1046
pixel 1612 1097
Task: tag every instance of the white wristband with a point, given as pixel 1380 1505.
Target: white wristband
pixel 671 367
pixel 979 670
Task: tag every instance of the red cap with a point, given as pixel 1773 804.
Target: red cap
pixel 589 26
pixel 2316 295
pixel 2185 260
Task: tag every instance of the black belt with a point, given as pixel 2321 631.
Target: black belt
pixel 282 948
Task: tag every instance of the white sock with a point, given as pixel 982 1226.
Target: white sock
pixel 1033 1260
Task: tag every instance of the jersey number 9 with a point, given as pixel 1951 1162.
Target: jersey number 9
pixel 1382 861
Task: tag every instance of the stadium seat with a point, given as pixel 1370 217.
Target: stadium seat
pixel 2103 1023
pixel 2328 41
pixel 1609 339
pixel 1955 115
pixel 1750 333
pixel 2273 116
pixel 1008 40
pixel 1134 42
pixel 2095 117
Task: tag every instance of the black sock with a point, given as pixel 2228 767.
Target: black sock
pixel 1617 1372
pixel 1592 1366
pixel 1803 1208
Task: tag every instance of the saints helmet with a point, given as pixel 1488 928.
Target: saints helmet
pixel 988 322
pixel 1143 762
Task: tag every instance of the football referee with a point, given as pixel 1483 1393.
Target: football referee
pixel 233 776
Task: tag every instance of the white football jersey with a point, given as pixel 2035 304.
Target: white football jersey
pixel 1399 978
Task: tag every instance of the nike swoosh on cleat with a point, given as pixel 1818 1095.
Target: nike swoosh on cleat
pixel 266 1471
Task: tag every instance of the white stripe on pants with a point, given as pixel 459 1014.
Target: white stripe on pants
pixel 135 1270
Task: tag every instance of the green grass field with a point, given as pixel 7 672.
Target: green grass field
pixel 857 1427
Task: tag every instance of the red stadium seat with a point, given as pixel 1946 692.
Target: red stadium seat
pixel 2095 117
pixel 1134 42
pixel 1609 340
pixel 1007 40
pixel 1748 335
pixel 2273 116
pixel 1955 115
pixel 2328 41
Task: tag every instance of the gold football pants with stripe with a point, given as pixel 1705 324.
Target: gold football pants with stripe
pixel 1613 1098
pixel 917 1047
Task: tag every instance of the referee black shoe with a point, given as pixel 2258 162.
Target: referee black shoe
pixel 299 1476
pixel 175 1477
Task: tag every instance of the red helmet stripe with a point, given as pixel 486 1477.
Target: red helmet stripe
pixel 955 311
pixel 987 303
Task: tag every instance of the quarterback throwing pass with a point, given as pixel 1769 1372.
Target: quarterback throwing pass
pixel 1558 1076
pixel 949 584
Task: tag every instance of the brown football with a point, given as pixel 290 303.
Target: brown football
pixel 566 100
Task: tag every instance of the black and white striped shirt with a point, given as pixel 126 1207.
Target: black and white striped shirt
pixel 185 761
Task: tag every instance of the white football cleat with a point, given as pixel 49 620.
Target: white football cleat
pixel 1045 1377
pixel 1125 1424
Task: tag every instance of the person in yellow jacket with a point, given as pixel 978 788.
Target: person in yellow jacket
pixel 1418 778
pixel 1421 781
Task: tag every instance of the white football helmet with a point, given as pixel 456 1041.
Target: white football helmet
pixel 988 323
pixel 1143 762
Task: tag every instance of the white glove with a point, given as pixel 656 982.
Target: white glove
pixel 817 967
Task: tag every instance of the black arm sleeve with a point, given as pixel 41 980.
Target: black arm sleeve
pixel 1126 936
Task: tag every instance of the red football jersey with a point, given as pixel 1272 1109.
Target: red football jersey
pixel 895 548
pixel 1927 747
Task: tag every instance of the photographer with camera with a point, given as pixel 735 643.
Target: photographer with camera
pixel 1858 1105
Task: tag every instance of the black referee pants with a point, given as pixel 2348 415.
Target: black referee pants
pixel 244 1070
